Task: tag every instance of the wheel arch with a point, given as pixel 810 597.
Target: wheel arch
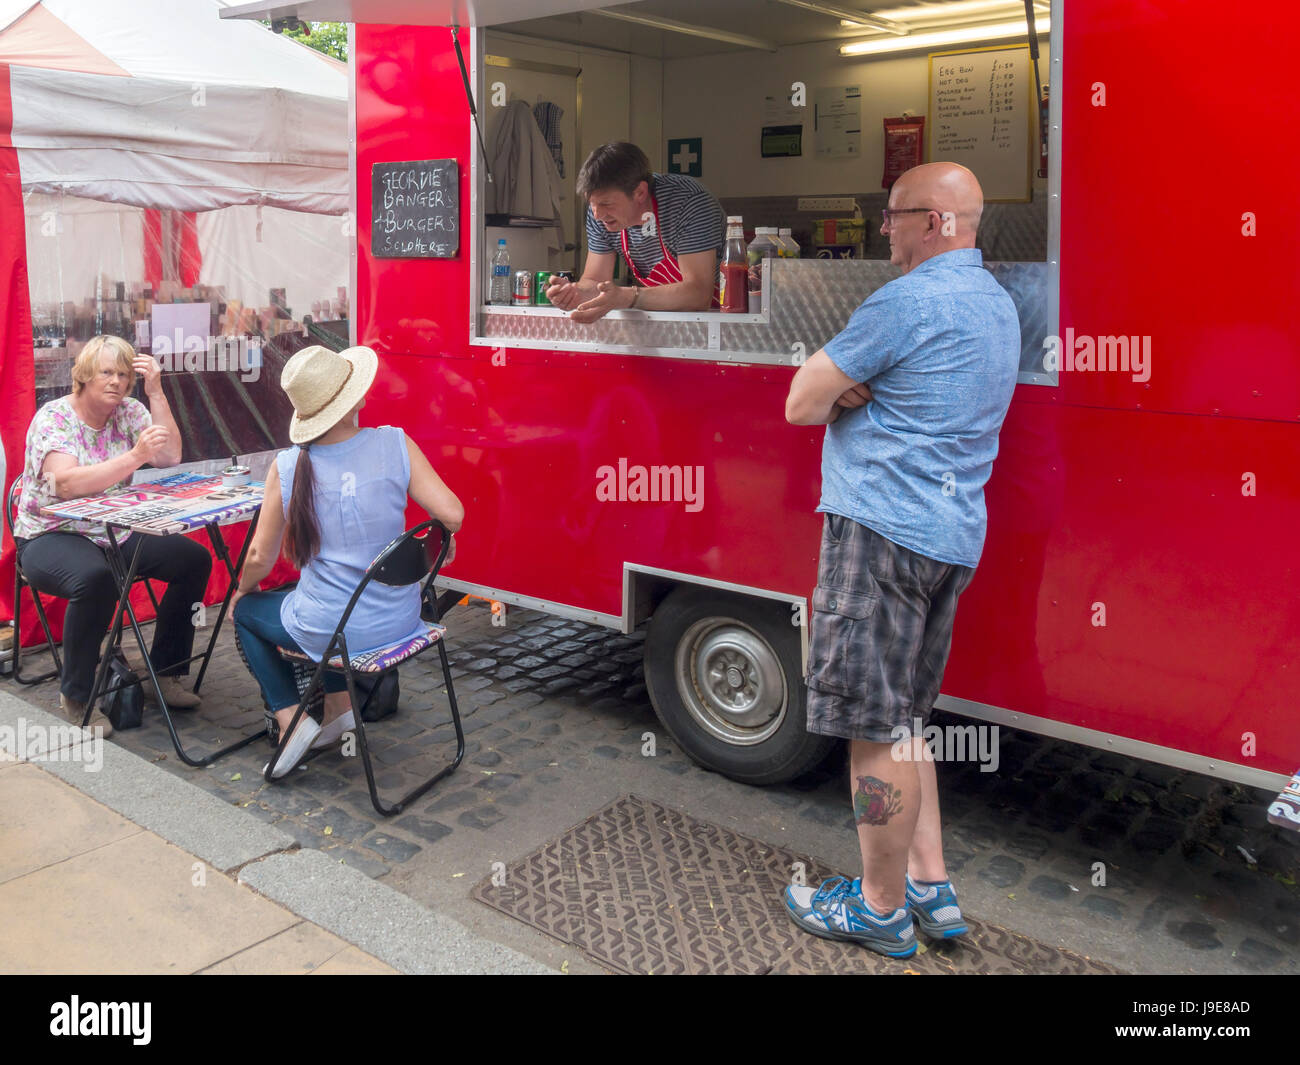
pixel 645 587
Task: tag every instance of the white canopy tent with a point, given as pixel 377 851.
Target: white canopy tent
pixel 165 154
pixel 153 154
pixel 164 104
pixel 120 107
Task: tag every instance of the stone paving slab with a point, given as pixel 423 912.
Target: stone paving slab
pixel 83 889
pixel 1023 843
pixel 135 905
pixel 147 907
pixel 128 783
pixel 43 822
pixel 303 949
pixel 378 919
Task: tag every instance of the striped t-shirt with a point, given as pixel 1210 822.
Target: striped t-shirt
pixel 690 219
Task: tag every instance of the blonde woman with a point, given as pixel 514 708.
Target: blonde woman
pixel 80 445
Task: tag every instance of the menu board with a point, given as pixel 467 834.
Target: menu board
pixel 981 112
pixel 415 209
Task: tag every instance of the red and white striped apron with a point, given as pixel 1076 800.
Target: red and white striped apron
pixel 666 271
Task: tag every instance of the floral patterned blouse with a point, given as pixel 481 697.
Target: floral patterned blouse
pixel 56 427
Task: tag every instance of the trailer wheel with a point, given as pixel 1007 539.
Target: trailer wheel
pixel 723 672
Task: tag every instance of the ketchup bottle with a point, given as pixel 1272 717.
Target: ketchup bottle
pixel 733 283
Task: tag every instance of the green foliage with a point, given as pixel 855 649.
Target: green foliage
pixel 328 37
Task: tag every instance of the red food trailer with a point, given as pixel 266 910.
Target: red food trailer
pixel 1136 591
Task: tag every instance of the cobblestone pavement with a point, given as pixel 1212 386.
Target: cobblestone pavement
pixel 556 716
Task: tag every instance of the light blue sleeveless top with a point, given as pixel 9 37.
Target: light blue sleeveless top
pixel 360 498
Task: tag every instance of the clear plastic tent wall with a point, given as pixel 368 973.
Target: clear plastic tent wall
pixel 221 297
pixel 183 183
pixel 180 180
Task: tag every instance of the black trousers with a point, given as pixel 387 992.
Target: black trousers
pixel 76 569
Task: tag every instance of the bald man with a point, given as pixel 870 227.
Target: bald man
pixel 913 393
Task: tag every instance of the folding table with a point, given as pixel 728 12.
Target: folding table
pixel 173 505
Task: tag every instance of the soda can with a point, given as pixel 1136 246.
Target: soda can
pixel 523 288
pixel 539 287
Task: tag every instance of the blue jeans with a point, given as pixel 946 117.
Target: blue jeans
pixel 260 632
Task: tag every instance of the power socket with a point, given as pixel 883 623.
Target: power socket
pixel 826 203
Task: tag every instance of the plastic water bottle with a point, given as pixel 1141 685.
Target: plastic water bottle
pixel 501 274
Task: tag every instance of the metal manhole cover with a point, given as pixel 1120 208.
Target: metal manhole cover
pixel 643 888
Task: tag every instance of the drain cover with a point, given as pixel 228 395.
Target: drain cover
pixel 643 888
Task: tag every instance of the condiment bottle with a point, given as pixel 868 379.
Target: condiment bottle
pixel 733 275
pixel 763 246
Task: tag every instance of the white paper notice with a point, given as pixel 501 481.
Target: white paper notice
pixel 179 328
pixel 778 111
pixel 837 118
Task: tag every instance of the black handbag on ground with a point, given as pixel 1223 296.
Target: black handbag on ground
pixel 378 694
pixel 124 707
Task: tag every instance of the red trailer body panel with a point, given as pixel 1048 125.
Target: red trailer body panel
pixel 1110 494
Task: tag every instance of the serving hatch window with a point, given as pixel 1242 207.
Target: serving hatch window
pixel 800 121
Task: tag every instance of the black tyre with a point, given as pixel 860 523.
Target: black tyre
pixel 724 674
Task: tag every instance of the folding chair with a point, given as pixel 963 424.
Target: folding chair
pixel 21 582
pixel 406 561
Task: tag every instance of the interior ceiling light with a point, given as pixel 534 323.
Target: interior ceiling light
pixel 938 38
pixel 688 28
pixel 956 11
pixel 851 18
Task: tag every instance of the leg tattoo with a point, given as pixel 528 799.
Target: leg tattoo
pixel 876 801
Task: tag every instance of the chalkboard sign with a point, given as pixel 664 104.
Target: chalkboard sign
pixel 981 114
pixel 415 210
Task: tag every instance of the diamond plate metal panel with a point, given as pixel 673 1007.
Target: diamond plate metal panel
pixel 811 300
pixel 637 336
pixel 1027 284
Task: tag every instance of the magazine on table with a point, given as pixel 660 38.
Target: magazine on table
pixel 174 504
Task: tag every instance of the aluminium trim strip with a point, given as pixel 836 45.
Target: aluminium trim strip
pixel 611 621
pixel 627 314
pixel 477 233
pixel 1056 87
pixel 1106 741
pixel 353 221
pixel 1150 752
pixel 735 358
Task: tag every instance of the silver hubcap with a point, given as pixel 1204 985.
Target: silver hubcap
pixel 731 681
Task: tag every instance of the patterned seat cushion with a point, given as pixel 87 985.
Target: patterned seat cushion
pixel 384 658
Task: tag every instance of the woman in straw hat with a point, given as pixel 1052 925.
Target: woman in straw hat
pixel 333 503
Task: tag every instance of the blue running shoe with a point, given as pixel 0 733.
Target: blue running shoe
pixel 836 910
pixel 935 908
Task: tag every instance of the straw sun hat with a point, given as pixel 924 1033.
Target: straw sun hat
pixel 324 385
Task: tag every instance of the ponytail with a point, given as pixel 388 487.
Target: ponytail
pixel 301 530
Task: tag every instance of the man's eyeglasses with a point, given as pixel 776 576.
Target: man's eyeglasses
pixel 890 213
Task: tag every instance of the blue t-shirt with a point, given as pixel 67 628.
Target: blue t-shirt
pixel 690 220
pixel 940 349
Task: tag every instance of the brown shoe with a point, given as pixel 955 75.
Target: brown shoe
pixel 177 695
pixel 73 711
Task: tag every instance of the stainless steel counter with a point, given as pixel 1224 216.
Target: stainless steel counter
pixel 805 303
